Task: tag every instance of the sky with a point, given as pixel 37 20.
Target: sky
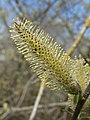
pixel 34 5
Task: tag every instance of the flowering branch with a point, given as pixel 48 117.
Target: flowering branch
pixel 53 66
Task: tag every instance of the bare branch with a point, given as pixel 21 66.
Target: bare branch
pixel 25 91
pixel 32 116
pixel 29 108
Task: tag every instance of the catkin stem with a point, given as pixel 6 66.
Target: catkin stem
pixel 81 102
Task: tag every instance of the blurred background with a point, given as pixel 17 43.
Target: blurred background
pixel 19 86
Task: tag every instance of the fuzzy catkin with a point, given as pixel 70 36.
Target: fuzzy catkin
pixel 45 56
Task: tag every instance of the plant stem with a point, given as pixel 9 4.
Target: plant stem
pixel 77 41
pixel 81 102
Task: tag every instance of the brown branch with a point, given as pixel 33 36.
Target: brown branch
pixel 81 102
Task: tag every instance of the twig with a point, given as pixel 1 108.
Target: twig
pixel 77 41
pixel 81 102
pixel 49 105
pixel 42 14
pixel 5 115
pixel 23 109
pixel 21 98
pixel 32 116
pixel 25 91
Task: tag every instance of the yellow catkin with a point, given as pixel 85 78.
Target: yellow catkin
pixel 81 72
pixel 45 56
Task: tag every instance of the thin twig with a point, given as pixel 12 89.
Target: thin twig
pixel 29 108
pixel 77 41
pixel 5 115
pixel 40 106
pixel 25 90
pixel 32 116
pixel 81 102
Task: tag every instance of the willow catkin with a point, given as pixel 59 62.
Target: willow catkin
pixel 45 56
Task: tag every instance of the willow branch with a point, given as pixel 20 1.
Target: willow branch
pixel 77 41
pixel 81 102
pixel 86 94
